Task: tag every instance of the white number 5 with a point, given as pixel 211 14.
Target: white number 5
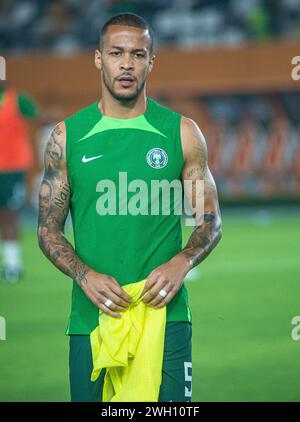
pixel 188 378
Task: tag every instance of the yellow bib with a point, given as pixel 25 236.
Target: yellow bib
pixel 131 349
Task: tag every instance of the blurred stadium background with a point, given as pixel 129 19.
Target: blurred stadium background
pixel 227 64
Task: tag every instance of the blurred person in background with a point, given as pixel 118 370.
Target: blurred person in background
pixel 17 156
pixel 125 130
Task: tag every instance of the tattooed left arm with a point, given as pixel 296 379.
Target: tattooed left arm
pixel 207 233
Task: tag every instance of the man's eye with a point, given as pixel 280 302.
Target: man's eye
pixel 115 53
pixel 140 55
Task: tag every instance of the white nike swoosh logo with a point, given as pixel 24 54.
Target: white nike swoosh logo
pixel 85 160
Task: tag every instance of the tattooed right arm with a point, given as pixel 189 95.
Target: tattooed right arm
pixel 54 203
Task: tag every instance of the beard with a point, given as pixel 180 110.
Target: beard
pixel 126 96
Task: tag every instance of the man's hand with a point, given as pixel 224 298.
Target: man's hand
pixel 101 287
pixel 168 277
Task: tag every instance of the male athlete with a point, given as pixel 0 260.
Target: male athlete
pixel 125 133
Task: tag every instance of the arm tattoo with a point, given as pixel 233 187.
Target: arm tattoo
pixel 207 232
pixel 203 239
pixel 54 203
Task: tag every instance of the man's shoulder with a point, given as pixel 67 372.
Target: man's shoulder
pixel 188 126
pixel 162 109
pixel 81 114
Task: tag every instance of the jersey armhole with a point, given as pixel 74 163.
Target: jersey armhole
pixel 68 155
pixel 179 140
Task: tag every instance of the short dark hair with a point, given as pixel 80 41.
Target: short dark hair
pixel 127 19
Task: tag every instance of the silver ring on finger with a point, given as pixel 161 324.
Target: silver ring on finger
pixel 108 303
pixel 163 293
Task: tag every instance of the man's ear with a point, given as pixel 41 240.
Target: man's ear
pixel 98 60
pixel 151 63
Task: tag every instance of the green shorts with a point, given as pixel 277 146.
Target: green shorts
pixel 12 190
pixel 176 383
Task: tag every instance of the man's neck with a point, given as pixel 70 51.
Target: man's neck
pixel 126 110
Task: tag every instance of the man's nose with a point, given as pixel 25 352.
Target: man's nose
pixel 127 62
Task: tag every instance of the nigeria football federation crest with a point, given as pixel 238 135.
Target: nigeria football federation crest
pixel 157 158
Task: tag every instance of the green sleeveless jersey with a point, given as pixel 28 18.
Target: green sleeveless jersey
pixel 120 226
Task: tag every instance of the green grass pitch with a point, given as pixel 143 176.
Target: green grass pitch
pixel 243 298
